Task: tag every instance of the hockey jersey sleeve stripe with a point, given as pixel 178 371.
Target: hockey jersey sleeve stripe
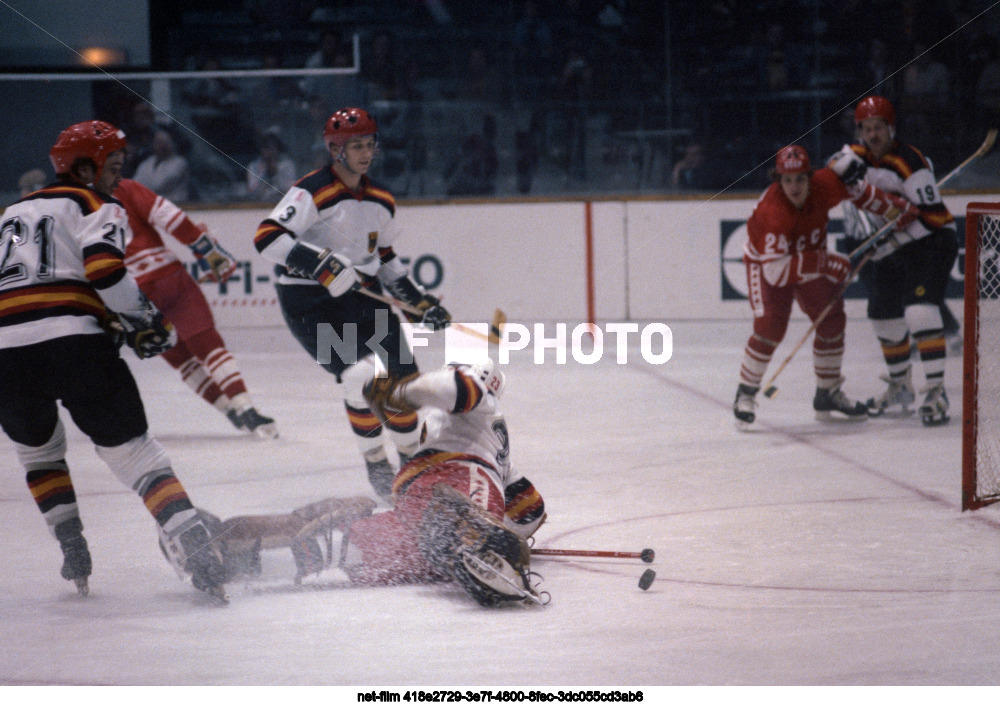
pixel 386 255
pixel 523 503
pixel 103 268
pixel 40 302
pixel 935 215
pixel 469 393
pixel 267 232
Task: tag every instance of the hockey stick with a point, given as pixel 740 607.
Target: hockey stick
pixel 647 555
pixel 496 323
pixel 770 390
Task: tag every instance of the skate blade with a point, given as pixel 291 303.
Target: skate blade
pixel 829 418
pixel 935 421
pixel 742 425
pixel 266 431
pixel 218 595
pixel 82 587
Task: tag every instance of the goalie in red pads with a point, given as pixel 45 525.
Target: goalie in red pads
pixel 787 260
pixel 462 513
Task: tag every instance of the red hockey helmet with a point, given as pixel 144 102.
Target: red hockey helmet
pixel 93 139
pixel 347 123
pixel 792 160
pixel 875 107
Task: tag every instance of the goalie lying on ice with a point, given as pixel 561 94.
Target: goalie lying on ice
pixel 461 512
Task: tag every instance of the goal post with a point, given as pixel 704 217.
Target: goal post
pixel 981 358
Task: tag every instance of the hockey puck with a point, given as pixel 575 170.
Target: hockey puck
pixel 646 580
pixel 647 555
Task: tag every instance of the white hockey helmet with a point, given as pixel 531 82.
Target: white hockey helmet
pixel 491 376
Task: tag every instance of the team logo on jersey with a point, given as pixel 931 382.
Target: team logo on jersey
pixel 372 241
pixel 500 429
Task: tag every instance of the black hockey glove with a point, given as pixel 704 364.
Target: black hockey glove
pixel 148 335
pixel 435 316
pixel 429 309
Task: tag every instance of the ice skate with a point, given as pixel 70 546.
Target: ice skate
pixel 833 405
pixel 899 392
pixel 254 422
pixel 744 406
pixel 192 552
pixel 934 409
pixel 76 556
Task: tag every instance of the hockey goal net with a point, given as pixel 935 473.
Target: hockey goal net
pixel 981 366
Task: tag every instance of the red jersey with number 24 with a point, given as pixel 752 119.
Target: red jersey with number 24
pixel 777 229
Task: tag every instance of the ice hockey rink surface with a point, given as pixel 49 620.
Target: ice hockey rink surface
pixel 798 553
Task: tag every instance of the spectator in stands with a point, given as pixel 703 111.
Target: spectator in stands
pixel 381 69
pixel 532 43
pixel 688 172
pixel 165 171
pixel 574 90
pixel 473 170
pixel 925 100
pixel 479 79
pixel 217 111
pixel 988 93
pixel 139 129
pixel 877 73
pixel 273 173
pixel 348 89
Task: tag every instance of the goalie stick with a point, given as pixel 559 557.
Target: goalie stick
pixel 647 555
pixel 497 323
pixel 866 248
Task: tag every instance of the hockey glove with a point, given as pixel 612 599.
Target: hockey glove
pixel 218 264
pixel 436 317
pixel 835 267
pixel 332 271
pixel 382 395
pixel 848 166
pixel 429 309
pixel 903 211
pixel 149 334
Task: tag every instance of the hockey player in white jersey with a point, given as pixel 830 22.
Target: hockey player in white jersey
pixel 910 267
pixel 332 234
pixel 62 280
pixel 462 512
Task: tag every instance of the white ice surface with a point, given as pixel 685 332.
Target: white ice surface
pixel 796 553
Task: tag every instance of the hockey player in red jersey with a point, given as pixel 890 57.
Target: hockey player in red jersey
pixel 462 512
pixel 331 234
pixel 63 249
pixel 787 260
pixel 911 266
pixel 200 355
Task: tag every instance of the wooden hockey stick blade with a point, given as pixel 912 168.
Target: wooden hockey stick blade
pixel 647 555
pixel 496 326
